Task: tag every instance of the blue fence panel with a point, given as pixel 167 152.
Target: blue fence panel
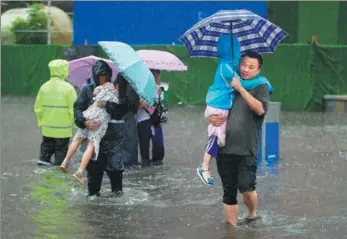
pixel 145 22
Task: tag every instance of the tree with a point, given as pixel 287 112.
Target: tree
pixel 32 30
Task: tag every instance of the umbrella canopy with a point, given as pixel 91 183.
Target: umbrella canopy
pixel 161 60
pixel 80 70
pixel 132 67
pixel 252 31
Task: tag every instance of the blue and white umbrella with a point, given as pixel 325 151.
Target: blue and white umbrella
pixel 252 31
pixel 132 67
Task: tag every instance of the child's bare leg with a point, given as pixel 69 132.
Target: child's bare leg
pixel 206 160
pixel 206 164
pixel 73 148
pixel 210 152
pixel 85 159
pixel 88 154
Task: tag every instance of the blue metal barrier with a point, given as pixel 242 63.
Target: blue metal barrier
pixel 269 148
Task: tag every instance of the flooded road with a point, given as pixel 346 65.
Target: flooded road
pixel 303 196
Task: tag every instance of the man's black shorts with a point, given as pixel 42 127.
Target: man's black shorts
pixel 237 173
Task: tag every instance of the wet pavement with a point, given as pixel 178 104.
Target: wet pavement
pixel 303 196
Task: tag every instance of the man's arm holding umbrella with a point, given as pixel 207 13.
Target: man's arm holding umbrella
pixel 133 100
pixel 160 97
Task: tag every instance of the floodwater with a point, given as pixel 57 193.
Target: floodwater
pixel 303 196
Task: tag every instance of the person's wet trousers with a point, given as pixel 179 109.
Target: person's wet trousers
pixel 50 146
pixel 144 133
pixel 109 161
pixel 95 173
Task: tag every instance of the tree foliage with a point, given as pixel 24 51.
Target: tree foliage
pixel 32 30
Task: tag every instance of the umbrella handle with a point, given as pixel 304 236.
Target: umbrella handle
pixel 232 45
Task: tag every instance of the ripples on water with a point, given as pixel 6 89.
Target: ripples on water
pixel 156 202
pixel 303 196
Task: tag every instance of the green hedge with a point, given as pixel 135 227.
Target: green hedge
pixel 301 73
pixel 303 19
pixel 25 67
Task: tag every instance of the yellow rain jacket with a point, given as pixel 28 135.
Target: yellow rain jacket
pixel 54 102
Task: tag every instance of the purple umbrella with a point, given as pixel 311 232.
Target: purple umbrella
pixel 80 70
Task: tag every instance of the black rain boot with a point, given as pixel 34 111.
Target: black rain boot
pixel 44 161
pixel 93 194
pixel 93 190
pixel 145 163
pixel 116 178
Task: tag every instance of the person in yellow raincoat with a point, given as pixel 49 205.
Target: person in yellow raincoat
pixel 54 111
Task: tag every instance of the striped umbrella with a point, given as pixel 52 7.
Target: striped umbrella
pixel 252 31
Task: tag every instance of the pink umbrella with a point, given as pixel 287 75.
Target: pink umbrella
pixel 161 60
pixel 81 69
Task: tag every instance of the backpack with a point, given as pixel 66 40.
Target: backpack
pixel 160 114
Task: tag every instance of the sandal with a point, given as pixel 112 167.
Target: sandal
pixel 63 167
pixel 78 177
pixel 253 221
pixel 209 181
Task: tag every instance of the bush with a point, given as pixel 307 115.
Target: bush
pixel 37 20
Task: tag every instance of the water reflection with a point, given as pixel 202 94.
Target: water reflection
pixel 51 206
pixel 269 167
pixel 303 193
